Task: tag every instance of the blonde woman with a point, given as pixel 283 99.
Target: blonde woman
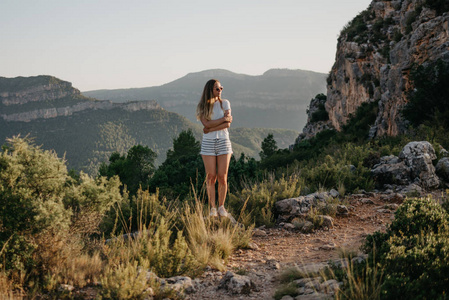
pixel 216 150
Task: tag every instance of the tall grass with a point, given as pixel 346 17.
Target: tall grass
pixel 212 240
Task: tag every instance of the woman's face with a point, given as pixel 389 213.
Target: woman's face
pixel 218 88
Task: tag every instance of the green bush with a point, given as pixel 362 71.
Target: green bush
pixel 258 199
pixel 32 189
pixel 320 115
pixel 413 252
pixel 429 101
pixel 45 213
pixel 441 6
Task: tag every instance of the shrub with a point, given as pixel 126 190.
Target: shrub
pixel 320 115
pixel 428 102
pixel 127 280
pixel 31 189
pixel 413 251
pixel 259 198
pixel 46 215
pixel 441 6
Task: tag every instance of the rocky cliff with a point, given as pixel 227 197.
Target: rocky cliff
pixel 29 98
pixel 21 90
pixel 375 54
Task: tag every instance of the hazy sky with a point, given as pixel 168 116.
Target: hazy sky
pixel 121 44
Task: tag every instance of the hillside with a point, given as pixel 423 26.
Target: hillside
pixel 276 99
pixel 377 53
pixel 87 130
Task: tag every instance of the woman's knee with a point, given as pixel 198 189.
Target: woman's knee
pixel 222 178
pixel 211 178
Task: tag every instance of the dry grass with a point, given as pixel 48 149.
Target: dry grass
pixel 212 240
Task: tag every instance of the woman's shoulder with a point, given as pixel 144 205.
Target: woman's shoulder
pixel 226 104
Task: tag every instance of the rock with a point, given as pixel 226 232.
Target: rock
pixel 259 232
pixel 412 189
pixel 287 297
pixel 442 168
pixel 289 226
pixel 253 246
pixel 66 287
pixel 418 156
pixel 327 247
pixel 412 166
pixel 334 193
pixel 342 210
pixel 394 197
pixel 180 283
pixel 308 282
pixel 391 170
pixel 300 206
pixel 366 201
pixel 443 151
pixel 330 286
pixel 236 284
pixel 326 221
pixel 314 296
pixel 307 227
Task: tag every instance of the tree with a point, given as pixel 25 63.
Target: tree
pixel 134 169
pixel 269 147
pixel 182 167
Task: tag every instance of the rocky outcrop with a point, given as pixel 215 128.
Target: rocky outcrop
pixel 375 54
pixel 317 119
pixel 413 166
pixel 291 208
pixel 51 98
pixel 22 90
pixel 46 113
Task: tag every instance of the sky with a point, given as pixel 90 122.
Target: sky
pixel 110 44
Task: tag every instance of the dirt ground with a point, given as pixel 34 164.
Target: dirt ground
pixel 279 249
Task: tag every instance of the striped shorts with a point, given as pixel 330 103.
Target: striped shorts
pixel 216 147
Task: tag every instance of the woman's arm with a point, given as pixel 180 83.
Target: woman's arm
pixel 215 123
pixel 216 128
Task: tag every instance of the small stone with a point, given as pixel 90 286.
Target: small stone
pixel 342 210
pixel 289 226
pixel 253 246
pixel 66 287
pixel 334 193
pixel 366 201
pixel 327 247
pixel 259 232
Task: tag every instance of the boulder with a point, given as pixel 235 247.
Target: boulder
pixel 442 168
pixel 418 156
pixel 391 170
pixel 412 166
pixel 236 284
pixel 180 284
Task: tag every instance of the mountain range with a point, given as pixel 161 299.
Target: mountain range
pixel 277 99
pixel 86 130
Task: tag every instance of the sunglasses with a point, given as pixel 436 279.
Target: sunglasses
pixel 219 89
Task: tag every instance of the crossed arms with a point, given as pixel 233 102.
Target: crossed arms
pixel 219 124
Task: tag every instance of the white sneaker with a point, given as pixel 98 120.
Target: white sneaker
pixel 213 212
pixel 222 211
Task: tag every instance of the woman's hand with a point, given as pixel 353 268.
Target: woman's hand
pixel 227 119
pixel 206 130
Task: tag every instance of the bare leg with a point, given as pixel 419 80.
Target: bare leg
pixel 222 175
pixel 210 165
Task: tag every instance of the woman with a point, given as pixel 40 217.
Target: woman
pixel 216 150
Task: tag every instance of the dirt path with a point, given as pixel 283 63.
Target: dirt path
pixel 279 249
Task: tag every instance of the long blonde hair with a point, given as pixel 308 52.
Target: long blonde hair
pixel 205 106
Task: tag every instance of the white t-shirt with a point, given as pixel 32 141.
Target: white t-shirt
pixel 218 113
